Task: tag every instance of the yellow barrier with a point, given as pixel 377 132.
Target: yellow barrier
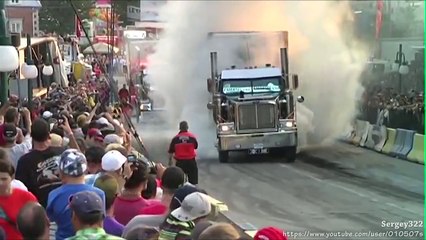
pixel 217 207
pixel 417 153
pixel 251 233
pixel 390 142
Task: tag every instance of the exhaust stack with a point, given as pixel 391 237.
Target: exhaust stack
pixel 213 68
pixel 284 64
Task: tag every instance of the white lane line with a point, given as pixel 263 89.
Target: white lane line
pixel 345 188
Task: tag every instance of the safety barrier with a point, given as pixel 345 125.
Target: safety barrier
pixel 400 143
pixel 417 153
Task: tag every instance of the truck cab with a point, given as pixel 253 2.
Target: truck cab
pixel 254 110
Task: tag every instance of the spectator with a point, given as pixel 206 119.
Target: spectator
pixel 72 166
pixel 142 232
pixel 33 222
pixel 87 217
pixel 130 202
pixel 150 192
pixel 109 185
pixel 10 135
pixel 15 183
pixel 38 169
pixel 116 164
pixel 199 229
pixel 172 179
pixel 94 137
pixel 180 222
pixel 221 231
pixel 94 163
pixel 11 201
pixel 270 233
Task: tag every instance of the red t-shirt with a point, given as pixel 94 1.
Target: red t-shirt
pixel 154 208
pixel 9 210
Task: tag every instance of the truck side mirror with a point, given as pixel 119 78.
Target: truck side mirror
pixel 295 79
pixel 210 106
pixel 209 85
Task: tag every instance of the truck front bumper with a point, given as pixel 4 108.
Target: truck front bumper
pixel 236 142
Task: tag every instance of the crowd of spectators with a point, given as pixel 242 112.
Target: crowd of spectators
pixel 387 107
pixel 69 169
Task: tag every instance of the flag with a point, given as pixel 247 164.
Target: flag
pixel 379 18
pixel 78 28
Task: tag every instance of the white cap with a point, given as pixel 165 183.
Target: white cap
pixel 112 161
pixel 102 120
pixel 113 138
pixel 47 115
pixel 194 206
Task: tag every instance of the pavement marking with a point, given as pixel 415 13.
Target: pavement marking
pixel 344 188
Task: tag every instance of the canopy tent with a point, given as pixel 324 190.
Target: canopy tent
pixel 102 48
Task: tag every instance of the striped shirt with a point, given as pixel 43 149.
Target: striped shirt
pixel 174 229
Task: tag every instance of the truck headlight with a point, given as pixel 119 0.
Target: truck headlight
pixel 287 124
pixel 226 128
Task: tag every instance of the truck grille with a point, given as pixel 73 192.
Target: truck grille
pixel 256 116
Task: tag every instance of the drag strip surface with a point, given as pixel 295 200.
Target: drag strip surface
pixel 334 188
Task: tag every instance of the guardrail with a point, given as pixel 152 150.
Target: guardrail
pixel 400 143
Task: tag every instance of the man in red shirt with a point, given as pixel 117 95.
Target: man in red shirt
pixel 124 94
pixel 182 152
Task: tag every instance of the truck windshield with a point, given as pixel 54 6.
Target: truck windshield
pixel 262 86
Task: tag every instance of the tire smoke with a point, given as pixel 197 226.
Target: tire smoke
pixel 328 67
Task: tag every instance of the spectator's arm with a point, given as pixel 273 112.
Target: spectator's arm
pixel 68 131
pixel 27 119
pixel 3 110
pixel 92 113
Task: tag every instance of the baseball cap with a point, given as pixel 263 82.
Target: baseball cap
pixel 173 178
pixel 95 133
pixel 194 206
pixel 180 195
pixel 270 233
pixel 86 203
pixel 109 186
pixel 72 163
pixel 9 131
pixel 102 121
pixel 112 161
pixel 113 138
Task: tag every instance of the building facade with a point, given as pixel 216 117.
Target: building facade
pixel 23 16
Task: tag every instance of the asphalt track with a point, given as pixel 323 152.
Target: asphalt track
pixel 328 188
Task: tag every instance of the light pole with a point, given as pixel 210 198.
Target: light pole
pixel 9 60
pixel 139 63
pixel 400 66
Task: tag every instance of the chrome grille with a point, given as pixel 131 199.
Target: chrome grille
pixel 256 116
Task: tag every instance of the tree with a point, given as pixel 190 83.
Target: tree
pixel 58 16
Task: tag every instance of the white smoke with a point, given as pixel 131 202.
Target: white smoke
pixel 328 69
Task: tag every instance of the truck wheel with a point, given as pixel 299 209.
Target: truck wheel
pixel 223 156
pixel 290 154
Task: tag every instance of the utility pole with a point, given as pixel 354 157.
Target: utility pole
pixel 29 61
pixel 5 40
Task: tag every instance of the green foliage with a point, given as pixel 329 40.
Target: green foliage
pixel 58 16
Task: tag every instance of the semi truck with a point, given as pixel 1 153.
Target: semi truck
pixel 253 107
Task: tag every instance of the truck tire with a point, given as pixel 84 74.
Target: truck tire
pixel 223 156
pixel 291 153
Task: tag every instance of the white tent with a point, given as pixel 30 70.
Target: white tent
pixel 102 48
